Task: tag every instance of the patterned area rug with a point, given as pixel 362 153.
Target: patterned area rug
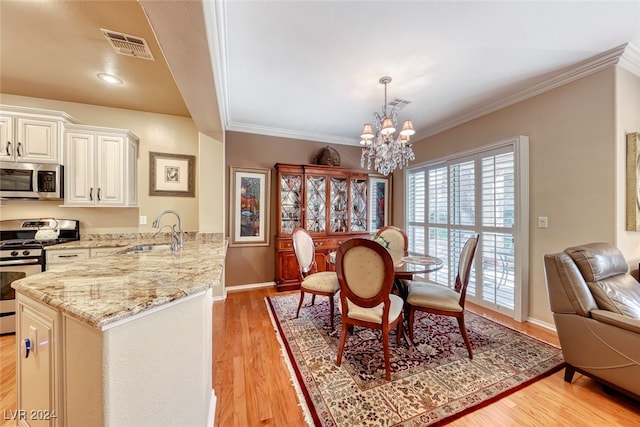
pixel 431 383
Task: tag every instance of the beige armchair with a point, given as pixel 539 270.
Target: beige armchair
pixel 596 309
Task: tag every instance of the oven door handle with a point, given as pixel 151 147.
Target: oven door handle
pixel 19 262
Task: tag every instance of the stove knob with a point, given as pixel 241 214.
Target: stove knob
pixel 26 252
pixel 14 253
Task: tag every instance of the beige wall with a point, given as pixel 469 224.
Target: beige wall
pixel 256 264
pixel 628 115
pixel 574 167
pixel 157 132
pixel 212 183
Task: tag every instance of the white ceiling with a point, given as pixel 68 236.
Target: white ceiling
pixel 310 69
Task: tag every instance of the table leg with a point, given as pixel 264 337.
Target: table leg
pixel 403 291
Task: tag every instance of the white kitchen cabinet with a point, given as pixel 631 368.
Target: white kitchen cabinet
pixel 101 167
pixel 97 252
pixel 30 135
pixel 65 256
pixel 39 384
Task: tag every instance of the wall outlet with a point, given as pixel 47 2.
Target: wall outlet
pixel 543 222
pixel 143 219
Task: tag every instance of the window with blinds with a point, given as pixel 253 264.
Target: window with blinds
pixel 450 201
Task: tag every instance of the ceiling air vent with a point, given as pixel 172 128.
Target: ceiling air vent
pixel 398 104
pixel 125 44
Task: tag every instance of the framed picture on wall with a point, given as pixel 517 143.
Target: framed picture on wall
pixel 633 182
pixel 172 175
pixel 380 201
pixel 249 206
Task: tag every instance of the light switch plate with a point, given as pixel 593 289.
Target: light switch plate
pixel 543 222
pixel 143 219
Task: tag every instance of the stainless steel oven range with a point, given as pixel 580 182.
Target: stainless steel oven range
pixel 22 254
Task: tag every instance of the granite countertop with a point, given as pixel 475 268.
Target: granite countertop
pixel 102 290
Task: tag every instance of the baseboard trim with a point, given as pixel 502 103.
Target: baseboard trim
pixel 249 286
pixel 542 324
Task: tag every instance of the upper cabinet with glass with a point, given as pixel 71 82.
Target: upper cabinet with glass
pixel 323 200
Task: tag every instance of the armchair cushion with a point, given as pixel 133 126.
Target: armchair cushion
pixel 604 269
pixel 618 320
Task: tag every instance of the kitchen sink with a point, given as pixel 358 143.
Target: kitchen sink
pixel 145 247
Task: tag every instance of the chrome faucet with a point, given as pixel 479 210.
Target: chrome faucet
pixel 176 237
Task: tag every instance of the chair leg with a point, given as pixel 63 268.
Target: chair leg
pixel 399 327
pixel 463 331
pixel 385 348
pixel 412 311
pixel 313 299
pixel 300 303
pixel 331 308
pixel 343 341
pixel 568 373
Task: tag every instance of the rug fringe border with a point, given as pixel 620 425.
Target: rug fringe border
pixel 306 412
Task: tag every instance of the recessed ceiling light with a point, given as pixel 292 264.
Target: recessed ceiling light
pixel 108 78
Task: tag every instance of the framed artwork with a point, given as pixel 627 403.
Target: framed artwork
pixel 172 175
pixel 380 202
pixel 249 206
pixel 633 182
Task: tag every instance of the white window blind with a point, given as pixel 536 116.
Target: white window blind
pixel 472 194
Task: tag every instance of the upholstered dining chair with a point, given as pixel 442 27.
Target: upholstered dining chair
pixel 311 280
pixel 365 273
pixel 398 242
pixel 443 300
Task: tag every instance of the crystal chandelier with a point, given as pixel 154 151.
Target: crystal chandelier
pixel 382 148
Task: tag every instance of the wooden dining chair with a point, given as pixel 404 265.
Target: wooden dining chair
pixel 365 273
pixel 312 281
pixel 443 300
pixel 397 240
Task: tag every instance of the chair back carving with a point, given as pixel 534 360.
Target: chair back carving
pixel 464 266
pixel 305 251
pixel 398 242
pixel 365 273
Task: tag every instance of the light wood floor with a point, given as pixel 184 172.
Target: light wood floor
pixel 253 386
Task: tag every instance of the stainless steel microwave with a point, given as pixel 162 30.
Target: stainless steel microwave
pixel 38 181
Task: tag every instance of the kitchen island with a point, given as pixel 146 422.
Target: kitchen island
pixel 123 339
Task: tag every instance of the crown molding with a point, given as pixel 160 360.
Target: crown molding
pixel 630 59
pixel 216 29
pixel 287 133
pixel 567 75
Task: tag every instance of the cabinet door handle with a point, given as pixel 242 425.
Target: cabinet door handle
pixel 18 149
pixel 91 194
pixel 99 194
pixel 68 256
pixel 8 148
pixel 26 347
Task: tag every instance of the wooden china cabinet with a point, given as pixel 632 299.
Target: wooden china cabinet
pixel 331 203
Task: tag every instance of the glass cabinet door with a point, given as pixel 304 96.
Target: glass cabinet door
pixel 358 204
pixel 290 203
pixel 316 197
pixel 338 208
